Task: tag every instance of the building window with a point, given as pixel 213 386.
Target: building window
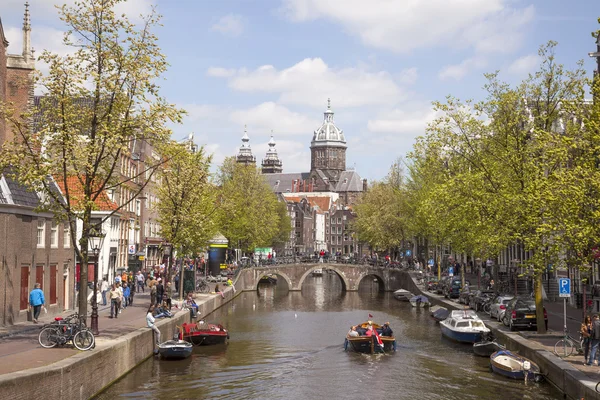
pixel 66 235
pixel 54 235
pixel 339 221
pixel 41 232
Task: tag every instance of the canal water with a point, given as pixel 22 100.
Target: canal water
pixel 289 345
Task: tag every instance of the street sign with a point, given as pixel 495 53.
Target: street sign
pixel 132 249
pixel 564 287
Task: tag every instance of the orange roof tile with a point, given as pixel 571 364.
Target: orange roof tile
pixel 103 202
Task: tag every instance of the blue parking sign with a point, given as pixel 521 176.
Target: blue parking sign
pixel 564 287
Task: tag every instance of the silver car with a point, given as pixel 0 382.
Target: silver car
pixel 499 305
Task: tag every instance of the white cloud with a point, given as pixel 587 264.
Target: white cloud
pixel 408 76
pixel 294 155
pixel 402 26
pixel 524 65
pixel 270 116
pixel 219 72
pixel 230 25
pixel 311 81
pixel 458 71
pixel 410 121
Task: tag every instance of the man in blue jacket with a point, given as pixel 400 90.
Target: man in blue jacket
pixel 36 300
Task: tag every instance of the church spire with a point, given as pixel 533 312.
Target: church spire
pixel 27 52
pixel 244 155
pixel 271 164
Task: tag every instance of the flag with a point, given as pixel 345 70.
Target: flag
pixel 379 341
pixel 370 316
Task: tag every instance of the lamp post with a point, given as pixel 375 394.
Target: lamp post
pixel 96 240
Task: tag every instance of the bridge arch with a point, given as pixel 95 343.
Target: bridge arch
pixel 272 271
pixel 374 273
pixel 345 284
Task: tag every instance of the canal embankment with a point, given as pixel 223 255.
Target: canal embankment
pixel 564 375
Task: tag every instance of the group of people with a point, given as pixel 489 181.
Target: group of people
pixel 120 296
pixel 359 330
pixel 590 330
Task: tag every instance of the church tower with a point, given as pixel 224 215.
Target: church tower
pixel 328 148
pixel 271 164
pixel 244 155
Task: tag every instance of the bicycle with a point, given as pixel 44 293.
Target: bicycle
pixel 60 332
pixel 202 286
pixel 567 345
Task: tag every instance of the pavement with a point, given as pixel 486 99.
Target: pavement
pixel 20 349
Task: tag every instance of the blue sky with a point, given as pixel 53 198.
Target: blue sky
pixel 272 64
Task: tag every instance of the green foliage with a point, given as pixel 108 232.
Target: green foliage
pixel 250 215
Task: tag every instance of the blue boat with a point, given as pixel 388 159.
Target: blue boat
pixel 464 326
pixel 514 366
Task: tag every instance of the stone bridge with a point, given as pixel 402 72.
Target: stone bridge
pixel 350 275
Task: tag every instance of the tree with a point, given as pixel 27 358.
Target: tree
pixel 187 201
pixel 250 215
pixel 100 101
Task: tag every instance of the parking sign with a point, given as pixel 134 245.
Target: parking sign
pixel 564 287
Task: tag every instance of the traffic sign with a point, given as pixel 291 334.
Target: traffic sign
pixel 564 287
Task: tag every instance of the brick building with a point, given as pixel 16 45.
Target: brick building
pixel 34 247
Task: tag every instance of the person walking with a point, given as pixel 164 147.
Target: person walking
pixel 115 301
pixel 126 293
pixel 104 289
pixel 160 290
pixel 150 322
pixel 586 332
pixel 152 287
pixel 37 301
pixel 140 281
pixel 595 339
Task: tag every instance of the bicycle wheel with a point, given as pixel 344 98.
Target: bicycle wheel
pixel 598 387
pixel 486 308
pixel 564 348
pixel 84 340
pixel 47 337
pixel 205 289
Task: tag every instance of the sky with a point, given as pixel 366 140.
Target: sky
pixel 271 65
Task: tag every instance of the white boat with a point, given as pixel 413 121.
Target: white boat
pixel 419 301
pixel 403 295
pixel 464 326
pixel 317 272
pixel 514 366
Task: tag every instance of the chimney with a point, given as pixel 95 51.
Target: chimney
pixel 364 185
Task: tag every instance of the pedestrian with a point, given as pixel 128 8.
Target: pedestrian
pixel 595 335
pixel 586 332
pixel 126 293
pixel 152 287
pixel 37 301
pixel 140 281
pixel 104 289
pixel 160 290
pixel 115 299
pixel 150 322
pixel 121 297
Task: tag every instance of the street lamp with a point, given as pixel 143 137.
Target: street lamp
pixel 96 239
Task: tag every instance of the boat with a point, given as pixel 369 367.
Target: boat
pixel 487 348
pixel 419 301
pixel 439 313
pixel 271 279
pixel 317 272
pixel 368 343
pixel 403 295
pixel 203 334
pixel 514 366
pixel 175 349
pixel 464 326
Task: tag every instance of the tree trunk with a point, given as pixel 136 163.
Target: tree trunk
pixel 539 303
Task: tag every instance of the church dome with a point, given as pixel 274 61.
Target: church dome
pixel 328 133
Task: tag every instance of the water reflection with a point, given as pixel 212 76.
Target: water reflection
pixel 288 345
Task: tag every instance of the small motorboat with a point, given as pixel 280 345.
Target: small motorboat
pixel 464 326
pixel 370 343
pixel 514 366
pixel 175 349
pixel 419 301
pixel 403 295
pixel 317 272
pixel 203 334
pixel 271 279
pixel 439 313
pixel 487 348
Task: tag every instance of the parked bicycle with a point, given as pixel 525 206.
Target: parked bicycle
pixel 202 286
pixel 70 329
pixel 568 345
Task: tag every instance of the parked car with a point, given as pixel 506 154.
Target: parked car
pixel 479 298
pixel 520 313
pixel 498 305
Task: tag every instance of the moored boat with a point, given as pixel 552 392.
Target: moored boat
pixel 271 278
pixel 439 313
pixel 203 334
pixel 403 295
pixel 175 349
pixel 371 342
pixel 419 301
pixel 464 326
pixel 487 348
pixel 514 366
pixel 317 272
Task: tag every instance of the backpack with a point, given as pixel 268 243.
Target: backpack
pixel 596 330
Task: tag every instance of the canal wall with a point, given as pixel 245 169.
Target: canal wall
pixel 88 373
pixel 573 383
